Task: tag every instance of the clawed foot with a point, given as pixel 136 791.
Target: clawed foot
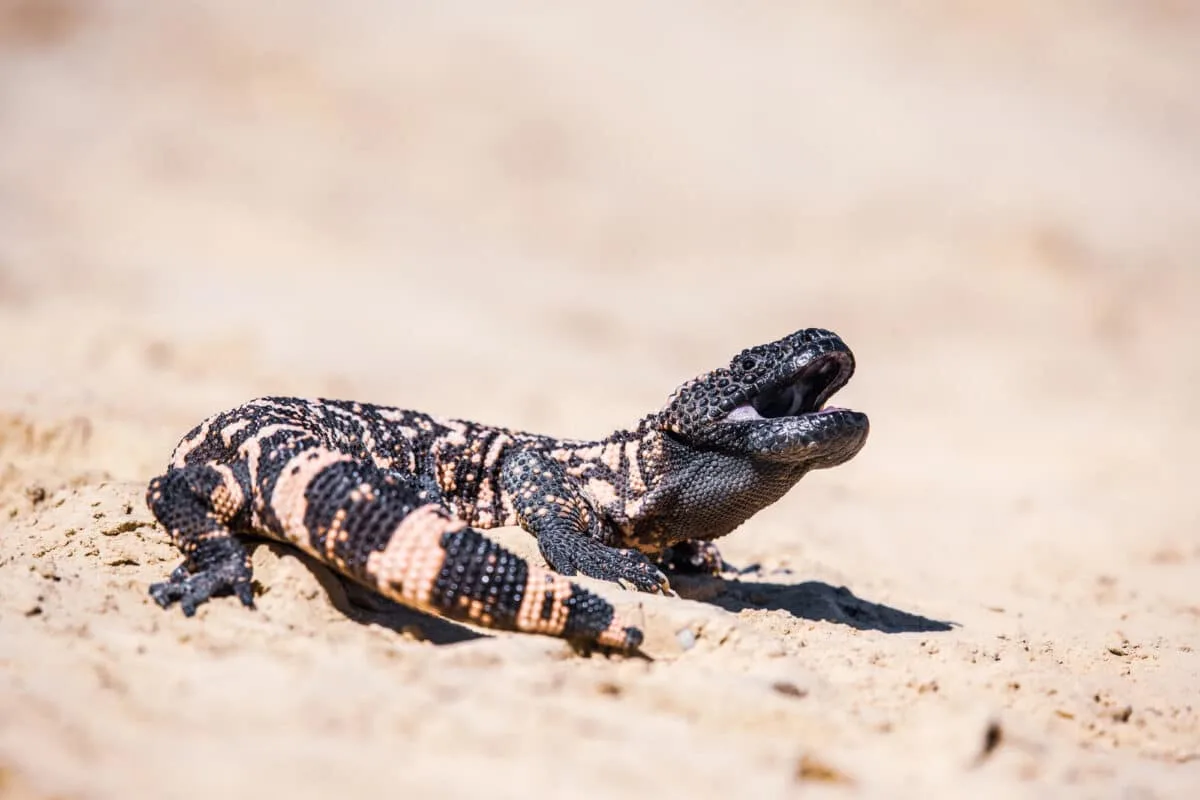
pixel 222 573
pixel 631 569
pixel 694 557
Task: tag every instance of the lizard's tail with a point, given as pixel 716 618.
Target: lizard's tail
pixel 434 563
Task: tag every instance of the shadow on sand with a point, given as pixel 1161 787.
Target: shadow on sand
pixel 812 600
pixel 368 608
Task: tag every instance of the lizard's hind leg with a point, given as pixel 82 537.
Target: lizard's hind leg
pixel 693 557
pixel 197 504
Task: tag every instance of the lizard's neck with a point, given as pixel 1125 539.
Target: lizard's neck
pixel 657 490
pixel 617 473
pixel 627 457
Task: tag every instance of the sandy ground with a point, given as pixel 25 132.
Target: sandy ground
pixel 548 219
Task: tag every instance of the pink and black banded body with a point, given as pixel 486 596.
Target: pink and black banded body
pixel 393 498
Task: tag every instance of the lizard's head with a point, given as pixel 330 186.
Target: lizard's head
pixel 769 404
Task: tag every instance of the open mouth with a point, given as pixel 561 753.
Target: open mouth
pixel 804 393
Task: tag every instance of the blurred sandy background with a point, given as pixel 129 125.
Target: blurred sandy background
pixel 547 218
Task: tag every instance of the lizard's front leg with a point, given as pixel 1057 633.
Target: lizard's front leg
pixel 551 506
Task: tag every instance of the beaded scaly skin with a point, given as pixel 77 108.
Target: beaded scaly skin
pixel 394 499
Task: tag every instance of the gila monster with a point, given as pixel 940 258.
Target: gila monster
pixel 394 499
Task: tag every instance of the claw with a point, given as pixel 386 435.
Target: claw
pixel 245 592
pixel 651 580
pixel 161 593
pixel 193 589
